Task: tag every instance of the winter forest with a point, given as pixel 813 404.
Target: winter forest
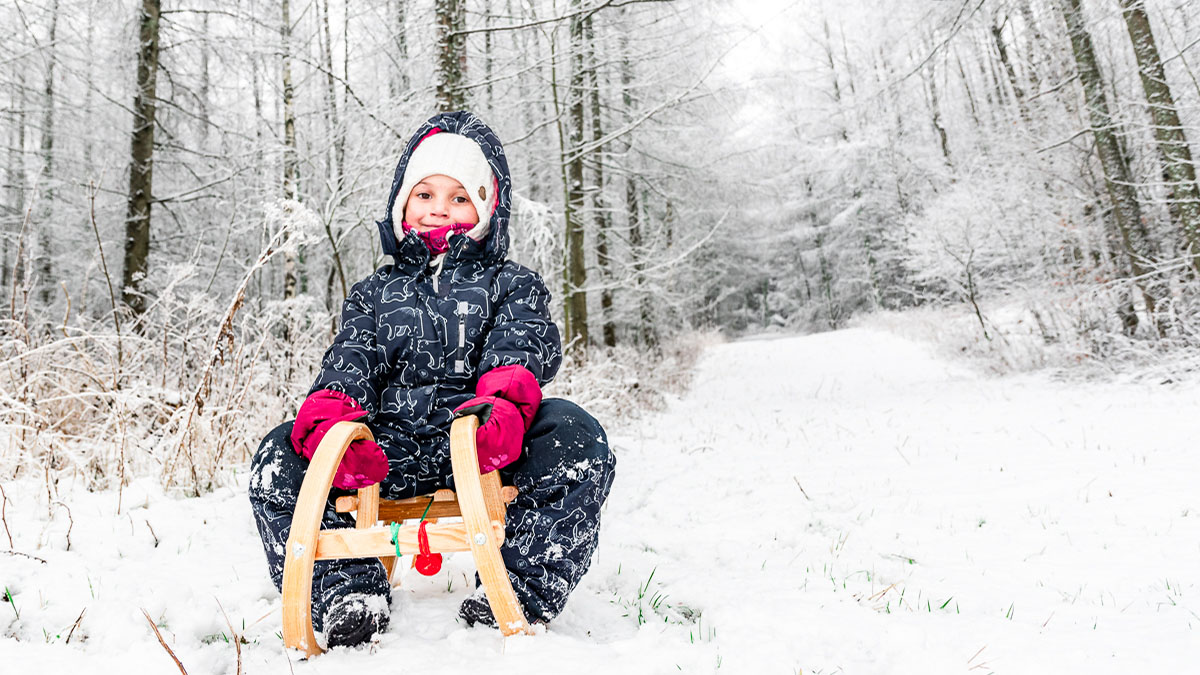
pixel 188 189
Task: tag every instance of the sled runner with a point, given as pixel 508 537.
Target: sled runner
pixel 480 500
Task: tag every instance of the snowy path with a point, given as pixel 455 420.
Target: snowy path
pixel 843 502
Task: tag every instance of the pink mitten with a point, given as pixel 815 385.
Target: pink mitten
pixel 501 431
pixel 364 462
pixel 516 385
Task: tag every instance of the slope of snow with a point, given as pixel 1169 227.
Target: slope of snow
pixel 842 502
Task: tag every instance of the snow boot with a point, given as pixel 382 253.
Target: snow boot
pixel 475 609
pixel 355 619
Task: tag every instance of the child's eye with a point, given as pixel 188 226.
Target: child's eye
pixel 460 200
pixel 422 195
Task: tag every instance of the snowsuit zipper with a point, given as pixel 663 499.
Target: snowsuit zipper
pixel 460 364
pixel 435 270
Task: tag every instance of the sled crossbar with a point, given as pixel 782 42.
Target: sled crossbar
pixel 376 542
pixel 445 504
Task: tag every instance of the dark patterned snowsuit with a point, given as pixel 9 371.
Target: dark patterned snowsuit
pixel 410 350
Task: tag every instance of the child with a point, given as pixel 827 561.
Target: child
pixel 450 326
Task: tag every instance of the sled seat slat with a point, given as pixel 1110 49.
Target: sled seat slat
pixel 376 542
pixel 445 505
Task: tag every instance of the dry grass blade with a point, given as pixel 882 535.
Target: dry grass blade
pixel 4 515
pixel 237 639
pixel 801 488
pixel 882 593
pixel 977 653
pixel 162 642
pixel 75 625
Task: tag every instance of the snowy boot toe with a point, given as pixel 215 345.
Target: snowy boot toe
pixel 475 609
pixel 354 619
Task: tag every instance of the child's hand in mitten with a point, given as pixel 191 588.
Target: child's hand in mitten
pixel 515 384
pixel 364 462
pixel 501 431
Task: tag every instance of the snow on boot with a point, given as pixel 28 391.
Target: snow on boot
pixel 475 609
pixel 354 619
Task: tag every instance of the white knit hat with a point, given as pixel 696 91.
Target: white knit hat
pixel 449 154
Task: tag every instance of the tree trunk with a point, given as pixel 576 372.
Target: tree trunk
pixel 1172 142
pixel 1035 45
pixel 966 85
pixel 529 80
pixel 10 275
pixel 993 90
pixel 1117 176
pixel 137 220
pixel 89 73
pixel 399 79
pixel 600 214
pixel 647 331
pixel 575 266
pixel 205 83
pixel 339 139
pixel 338 164
pixel 833 311
pixel 451 56
pixel 46 224
pixel 488 59
pixel 833 76
pixel 291 168
pixel 929 73
pixel 997 30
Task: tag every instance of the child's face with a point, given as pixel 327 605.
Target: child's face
pixel 439 201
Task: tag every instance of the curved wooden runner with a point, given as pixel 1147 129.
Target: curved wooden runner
pixel 480 500
pixel 482 510
pixel 306 526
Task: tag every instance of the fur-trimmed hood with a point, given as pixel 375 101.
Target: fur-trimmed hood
pixel 410 250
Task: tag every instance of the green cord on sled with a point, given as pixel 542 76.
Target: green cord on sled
pixel 395 527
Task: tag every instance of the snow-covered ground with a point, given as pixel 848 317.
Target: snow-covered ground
pixel 843 502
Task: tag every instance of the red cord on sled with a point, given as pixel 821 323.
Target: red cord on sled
pixel 427 563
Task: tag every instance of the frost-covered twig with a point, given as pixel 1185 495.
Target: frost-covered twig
pixel 4 515
pixel 75 625
pixel 162 642
pixel 70 521
pixel 112 297
pixel 26 555
pixel 285 237
pixel 237 639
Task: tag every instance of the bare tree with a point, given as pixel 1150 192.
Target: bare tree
pixel 14 211
pixel 574 265
pixel 601 219
pixel 647 332
pixel 1169 133
pixel 997 31
pixel 46 284
pixel 291 160
pixel 1117 176
pixel 141 164
pixel 399 78
pixel 204 116
pixel 451 55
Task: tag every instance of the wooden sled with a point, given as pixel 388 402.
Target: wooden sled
pixel 480 501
